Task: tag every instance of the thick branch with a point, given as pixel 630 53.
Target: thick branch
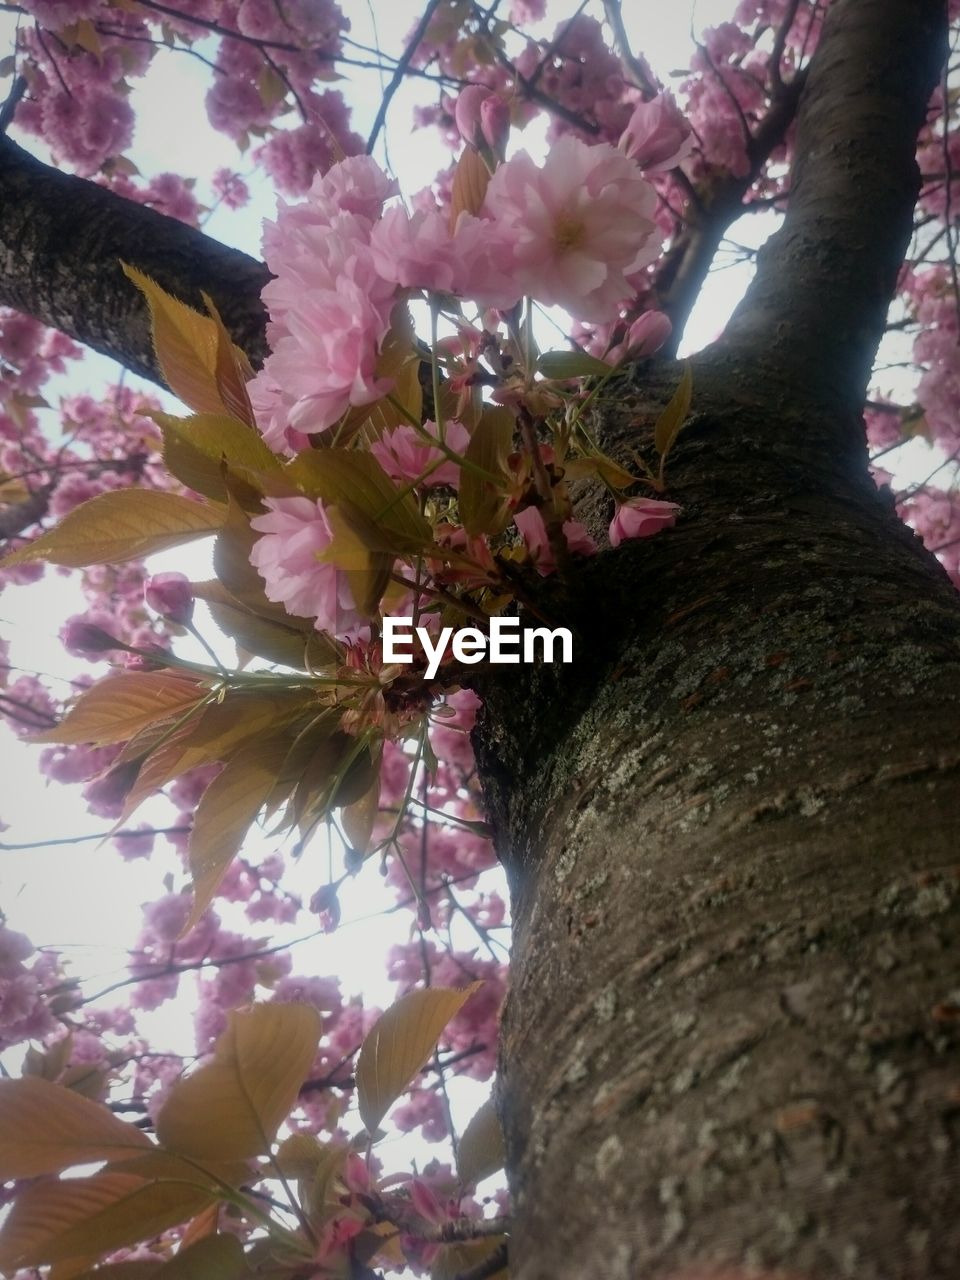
pixel 61 242
pixel 691 255
pixel 818 303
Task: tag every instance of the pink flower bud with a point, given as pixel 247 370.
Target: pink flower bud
pixel 641 517
pixel 170 595
pixel 482 117
pixel 645 336
pixel 657 135
pixel 425 1202
pixel 495 122
pixel 467 113
pixel 326 904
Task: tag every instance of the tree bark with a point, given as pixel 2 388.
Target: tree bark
pixel 731 827
pixel 62 239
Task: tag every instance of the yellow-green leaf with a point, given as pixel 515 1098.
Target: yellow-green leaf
pixel 196 450
pixel 315 1165
pixel 399 1044
pixel 232 1106
pixel 226 810
pixel 213 1258
pixel 120 705
pixel 470 181
pixel 359 817
pixel 481 1152
pixel 283 643
pixel 675 414
pixel 599 465
pixel 484 507
pixel 186 344
pixel 88 1217
pixel 232 370
pixel 125 524
pixel 46 1127
pixel 354 481
pixel 571 364
pixel 271 87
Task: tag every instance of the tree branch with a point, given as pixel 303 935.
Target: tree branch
pixel 61 242
pixel 687 262
pixel 817 306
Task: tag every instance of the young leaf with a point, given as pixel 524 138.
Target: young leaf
pixel 45 1128
pixel 232 370
pixel 123 525
pixel 226 810
pixel 120 705
pixel 571 364
pixel 197 449
pixel 470 181
pixel 597 465
pixel 399 1044
pixel 278 642
pixel 217 1257
pixel 674 415
pixel 480 1152
pixel 354 481
pixel 232 1106
pixel 186 344
pixel 359 817
pixel 484 507
pixel 88 1217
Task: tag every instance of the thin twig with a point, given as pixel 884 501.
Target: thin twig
pixel 399 72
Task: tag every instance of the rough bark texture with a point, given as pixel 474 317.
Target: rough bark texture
pixel 731 827
pixel 61 242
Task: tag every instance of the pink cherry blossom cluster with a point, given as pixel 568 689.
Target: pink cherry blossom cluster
pixel 573 231
pixel 80 58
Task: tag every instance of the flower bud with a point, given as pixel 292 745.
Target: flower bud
pixel 646 335
pixel 657 135
pixel 495 122
pixel 482 117
pixel 170 595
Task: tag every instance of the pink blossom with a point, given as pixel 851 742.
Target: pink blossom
pixel 641 517
pixel 296 532
pixel 658 136
pixel 230 189
pixel 414 250
pixel 404 454
pixel 578 225
pixel 531 524
pixel 482 253
pixel 355 185
pixel 326 360
pixel 170 595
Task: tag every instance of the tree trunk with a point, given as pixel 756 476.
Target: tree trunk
pixel 731 827
pixel 732 840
